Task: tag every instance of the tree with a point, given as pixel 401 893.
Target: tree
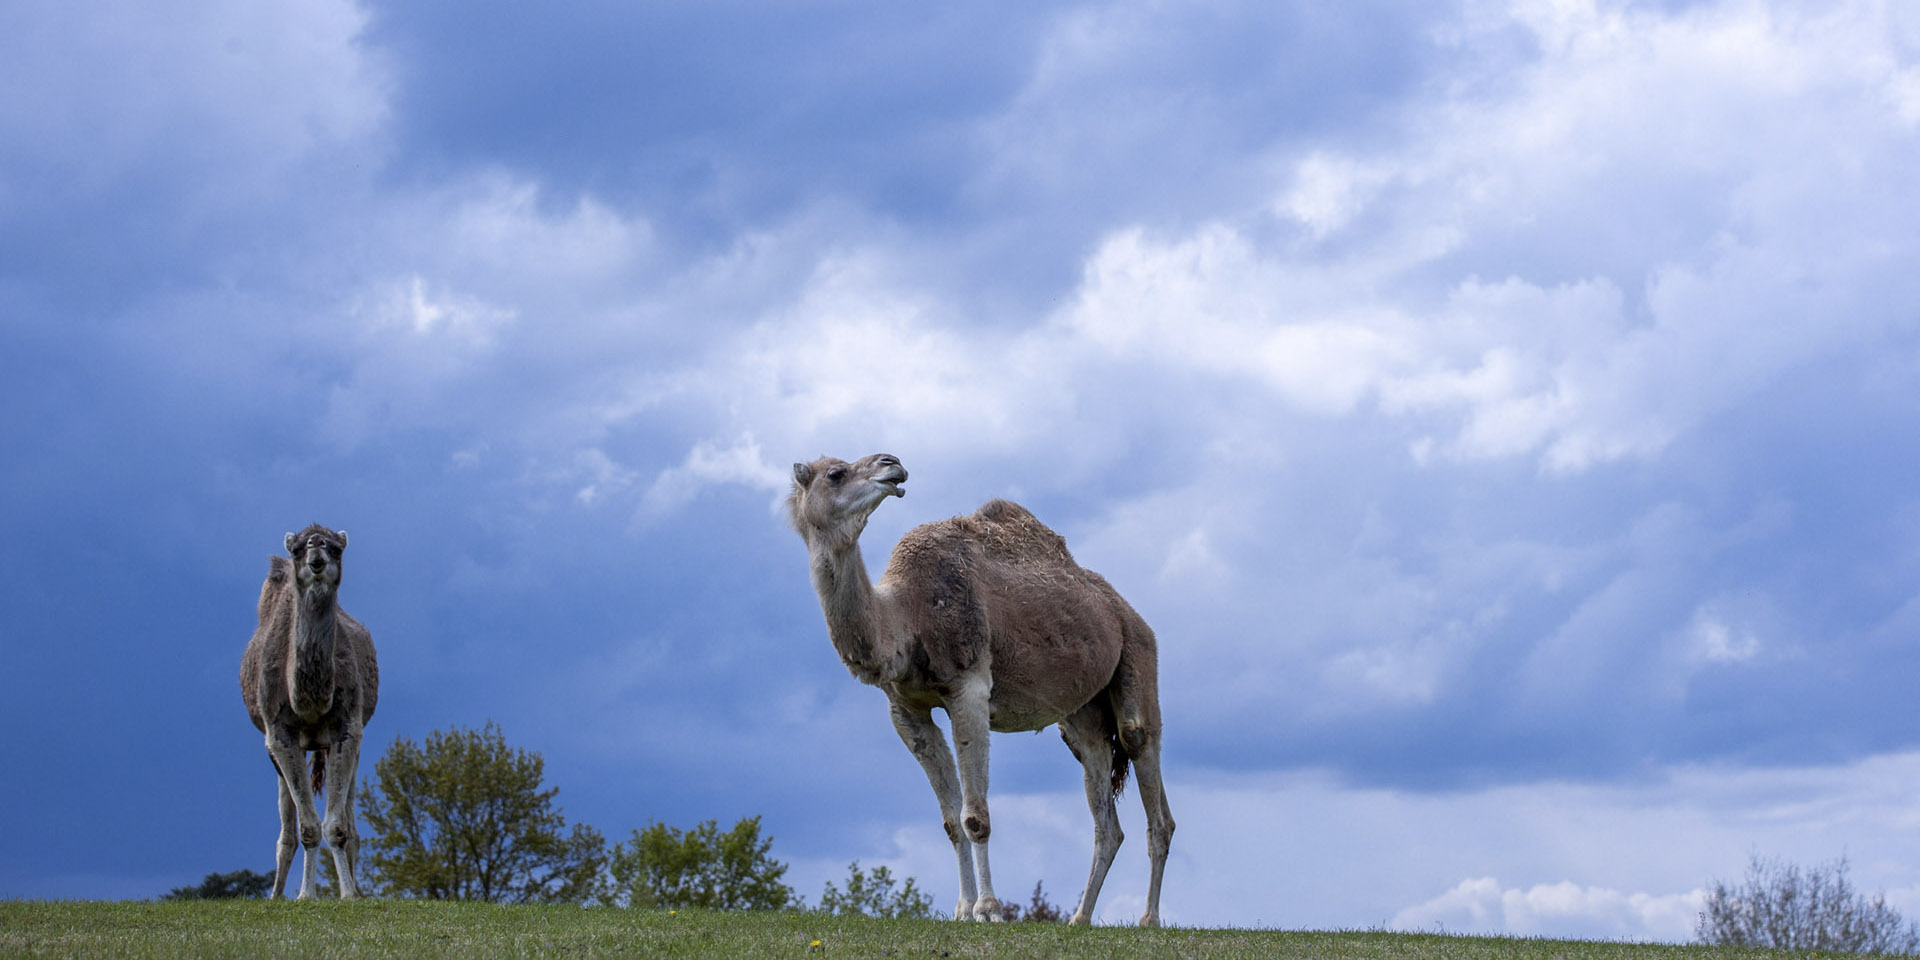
pixel 1786 908
pixel 702 867
pixel 240 884
pixel 1039 909
pixel 872 895
pixel 464 817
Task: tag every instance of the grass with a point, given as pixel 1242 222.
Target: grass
pixel 391 928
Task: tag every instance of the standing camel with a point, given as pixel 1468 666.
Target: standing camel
pixel 989 618
pixel 310 682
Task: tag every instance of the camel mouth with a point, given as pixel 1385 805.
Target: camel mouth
pixel 892 485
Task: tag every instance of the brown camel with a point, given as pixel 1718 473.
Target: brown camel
pixel 310 682
pixel 989 618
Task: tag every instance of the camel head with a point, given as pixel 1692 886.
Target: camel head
pixel 316 557
pixel 832 498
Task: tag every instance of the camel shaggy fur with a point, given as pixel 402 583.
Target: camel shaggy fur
pixel 310 682
pixel 989 618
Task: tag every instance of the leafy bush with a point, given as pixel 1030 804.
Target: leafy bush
pixel 240 884
pixel 1787 908
pixel 872 895
pixel 464 817
pixel 1039 909
pixel 702 867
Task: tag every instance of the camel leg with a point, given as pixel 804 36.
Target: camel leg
pixel 1089 733
pixel 289 836
pixel 343 759
pixel 1153 796
pixel 929 746
pixel 967 710
pixel 294 777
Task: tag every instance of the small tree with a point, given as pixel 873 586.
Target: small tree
pixel 872 895
pixel 464 817
pixel 1039 909
pixel 1786 908
pixel 240 884
pixel 702 867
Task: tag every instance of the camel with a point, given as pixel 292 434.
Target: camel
pixel 989 618
pixel 310 682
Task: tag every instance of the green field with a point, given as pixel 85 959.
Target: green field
pixel 375 928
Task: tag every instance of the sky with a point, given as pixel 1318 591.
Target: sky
pixel 1505 413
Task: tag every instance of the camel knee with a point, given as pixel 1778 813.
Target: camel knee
pixel 340 835
pixel 974 818
pixel 978 824
pixel 953 832
pixel 1136 737
pixel 309 836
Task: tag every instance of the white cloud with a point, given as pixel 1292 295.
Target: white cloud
pixel 708 464
pixel 1211 304
pixel 1560 909
pixel 1624 110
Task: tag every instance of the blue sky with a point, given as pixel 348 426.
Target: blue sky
pixel 1505 413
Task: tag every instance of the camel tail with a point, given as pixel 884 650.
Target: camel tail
pixel 1119 768
pixel 319 770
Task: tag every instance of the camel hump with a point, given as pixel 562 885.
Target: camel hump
pixel 1013 532
pixel 1004 511
pixel 279 581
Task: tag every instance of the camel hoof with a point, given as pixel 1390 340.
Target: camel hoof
pixel 1080 920
pixel 1150 920
pixel 989 910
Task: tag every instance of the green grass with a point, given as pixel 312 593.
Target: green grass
pixel 376 928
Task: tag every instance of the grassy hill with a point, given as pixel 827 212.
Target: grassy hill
pixel 375 928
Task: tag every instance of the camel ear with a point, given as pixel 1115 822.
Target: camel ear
pixel 289 542
pixel 342 534
pixel 802 475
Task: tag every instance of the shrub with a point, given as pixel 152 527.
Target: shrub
pixel 240 884
pixel 702 867
pixel 464 817
pixel 872 895
pixel 1785 907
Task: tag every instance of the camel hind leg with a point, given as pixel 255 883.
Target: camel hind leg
pixel 1136 705
pixel 1090 734
pixel 1153 796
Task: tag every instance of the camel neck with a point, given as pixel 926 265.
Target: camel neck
pixel 315 625
pixel 854 621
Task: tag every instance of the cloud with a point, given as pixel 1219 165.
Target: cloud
pixel 707 464
pixel 1564 910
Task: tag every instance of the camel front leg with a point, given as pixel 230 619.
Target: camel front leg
pixel 289 842
pixel 343 835
pixel 291 761
pixel 929 746
pixel 968 710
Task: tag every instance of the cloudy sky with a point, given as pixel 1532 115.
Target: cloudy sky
pixel 1504 412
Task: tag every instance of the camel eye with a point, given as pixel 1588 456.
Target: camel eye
pixel 836 475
